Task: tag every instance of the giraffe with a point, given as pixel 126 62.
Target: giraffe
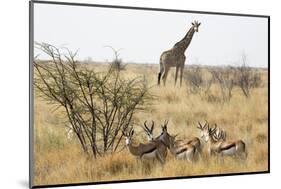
pixel 175 57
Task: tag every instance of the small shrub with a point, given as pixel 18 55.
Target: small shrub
pixel 246 77
pixel 261 138
pixel 194 79
pixel 172 98
pixel 116 62
pixel 224 77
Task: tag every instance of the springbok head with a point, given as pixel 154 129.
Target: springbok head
pixel 203 128
pixel 128 136
pixel 165 137
pixel 220 135
pixel 164 126
pixel 149 130
pixel 206 131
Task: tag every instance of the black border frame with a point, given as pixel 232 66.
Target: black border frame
pixel 31 99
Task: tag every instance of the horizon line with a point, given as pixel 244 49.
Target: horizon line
pixel 150 63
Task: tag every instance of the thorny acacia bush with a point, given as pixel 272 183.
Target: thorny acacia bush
pixel 194 80
pixel 98 106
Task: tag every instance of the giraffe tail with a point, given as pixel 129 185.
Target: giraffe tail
pixel 160 73
pixel 159 77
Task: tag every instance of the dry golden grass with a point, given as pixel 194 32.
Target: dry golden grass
pixel 59 160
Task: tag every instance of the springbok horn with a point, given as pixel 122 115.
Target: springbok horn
pixel 145 125
pixel 199 126
pixel 215 128
pixel 206 124
pixel 131 131
pixel 152 126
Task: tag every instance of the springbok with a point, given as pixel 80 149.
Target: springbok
pixel 184 151
pixel 149 133
pixel 219 145
pixel 193 141
pixel 151 150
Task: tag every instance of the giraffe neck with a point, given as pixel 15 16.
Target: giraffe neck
pixel 184 43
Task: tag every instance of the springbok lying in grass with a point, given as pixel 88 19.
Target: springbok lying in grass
pixel 217 144
pixel 181 150
pixel 149 133
pixel 151 150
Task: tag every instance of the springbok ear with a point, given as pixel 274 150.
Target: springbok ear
pixel 199 24
pixel 199 126
pixel 205 124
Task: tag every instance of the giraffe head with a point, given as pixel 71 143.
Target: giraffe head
pixel 195 25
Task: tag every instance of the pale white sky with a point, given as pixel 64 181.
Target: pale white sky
pixel 144 35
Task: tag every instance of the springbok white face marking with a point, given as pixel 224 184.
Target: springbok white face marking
pixel 205 135
pixel 127 140
pixel 149 137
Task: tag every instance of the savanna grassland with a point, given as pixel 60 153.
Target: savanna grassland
pixel 59 159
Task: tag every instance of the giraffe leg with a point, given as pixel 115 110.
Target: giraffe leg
pixel 176 77
pixel 165 75
pixel 160 73
pixel 181 72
